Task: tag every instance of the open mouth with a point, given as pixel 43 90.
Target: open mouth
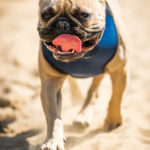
pixel 70 45
pixel 59 51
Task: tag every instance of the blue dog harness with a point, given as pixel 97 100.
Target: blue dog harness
pixel 94 61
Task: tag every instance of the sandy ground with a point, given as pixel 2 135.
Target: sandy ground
pixel 22 121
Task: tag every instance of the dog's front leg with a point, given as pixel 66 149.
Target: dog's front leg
pixel 114 118
pixel 51 101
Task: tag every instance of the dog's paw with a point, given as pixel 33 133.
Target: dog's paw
pixel 83 119
pixel 58 140
pixel 53 144
pixel 112 121
pixel 110 125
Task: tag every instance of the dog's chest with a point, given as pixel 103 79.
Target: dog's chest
pixel 94 61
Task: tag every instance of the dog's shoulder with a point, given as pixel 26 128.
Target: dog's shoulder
pixel 120 58
pixel 45 69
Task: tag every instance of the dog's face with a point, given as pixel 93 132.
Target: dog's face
pixel 84 19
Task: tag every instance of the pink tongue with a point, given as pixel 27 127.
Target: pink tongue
pixel 67 42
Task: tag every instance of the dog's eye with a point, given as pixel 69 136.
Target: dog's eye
pixel 83 16
pixel 45 16
pixel 47 13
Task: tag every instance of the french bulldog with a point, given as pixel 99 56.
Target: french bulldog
pixel 79 38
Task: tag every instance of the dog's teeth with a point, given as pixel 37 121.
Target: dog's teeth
pixel 73 51
pixel 59 52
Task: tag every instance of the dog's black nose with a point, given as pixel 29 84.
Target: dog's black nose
pixel 63 25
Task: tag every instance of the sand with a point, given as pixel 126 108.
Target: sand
pixel 22 122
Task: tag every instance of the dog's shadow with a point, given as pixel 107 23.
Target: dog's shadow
pixel 81 135
pixel 19 141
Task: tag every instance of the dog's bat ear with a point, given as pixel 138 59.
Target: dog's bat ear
pixel 44 1
pixel 41 1
pixel 102 1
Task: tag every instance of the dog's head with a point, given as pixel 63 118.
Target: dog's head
pixel 70 28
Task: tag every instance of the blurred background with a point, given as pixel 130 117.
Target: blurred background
pixel 21 117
